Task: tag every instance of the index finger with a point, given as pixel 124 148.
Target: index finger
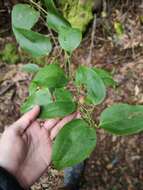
pixel 55 130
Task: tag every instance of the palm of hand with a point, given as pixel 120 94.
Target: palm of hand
pixel 37 147
pixel 25 148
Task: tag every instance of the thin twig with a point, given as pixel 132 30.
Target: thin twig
pixel 52 36
pixel 8 87
pixel 38 6
pixel 89 59
pixel 104 6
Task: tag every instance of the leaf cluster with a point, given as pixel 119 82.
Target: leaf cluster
pixel 48 88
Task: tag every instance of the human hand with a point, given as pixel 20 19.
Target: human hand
pixel 26 147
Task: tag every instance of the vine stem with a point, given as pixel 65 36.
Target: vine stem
pixel 50 31
pixel 38 6
pixel 89 59
pixel 87 115
pixel 67 64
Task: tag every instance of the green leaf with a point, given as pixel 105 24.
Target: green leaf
pixel 41 98
pixel 94 85
pixel 57 109
pixel 55 20
pixel 24 16
pixel 50 5
pixel 122 119
pixel 62 94
pixel 33 42
pixel 69 38
pixel 62 106
pixel 119 29
pixel 51 76
pixel 74 143
pixel 106 77
pixel 30 68
pixel 32 88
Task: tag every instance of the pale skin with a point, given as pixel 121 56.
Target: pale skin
pixel 26 146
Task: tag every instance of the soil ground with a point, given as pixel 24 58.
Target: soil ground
pixel 117 162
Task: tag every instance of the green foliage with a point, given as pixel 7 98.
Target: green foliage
pixel 54 19
pixel 9 54
pixel 24 16
pixel 69 39
pixel 33 88
pixel 58 102
pixel 122 119
pixel 74 143
pixel 94 85
pixel 48 87
pixel 58 109
pixel 106 77
pixel 77 12
pixel 30 68
pixel 51 76
pixel 62 94
pixel 22 22
pixel 33 42
pixel 119 29
pixel 49 109
pixel 40 97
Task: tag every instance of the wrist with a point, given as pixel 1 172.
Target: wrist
pixel 22 179
pixel 14 173
pixel 8 180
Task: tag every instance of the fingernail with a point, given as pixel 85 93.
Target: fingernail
pixel 78 116
pixel 36 107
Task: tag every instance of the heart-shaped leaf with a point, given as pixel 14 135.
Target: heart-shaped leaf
pixel 74 143
pixel 33 42
pixel 69 38
pixel 51 76
pixel 96 91
pixel 40 97
pixel 122 119
pixel 24 16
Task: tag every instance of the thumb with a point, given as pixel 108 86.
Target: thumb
pixel 26 119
